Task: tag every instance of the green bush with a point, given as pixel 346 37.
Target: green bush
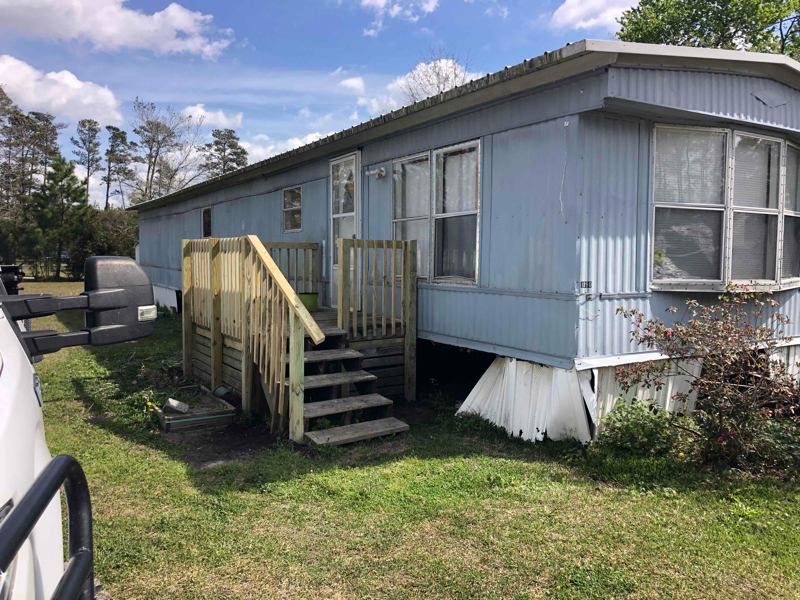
pixel 638 428
pixel 778 445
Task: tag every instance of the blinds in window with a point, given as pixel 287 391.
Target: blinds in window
pixel 687 244
pixel 689 166
pixel 756 172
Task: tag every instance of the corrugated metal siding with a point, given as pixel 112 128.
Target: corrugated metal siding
pixel 512 322
pixel 612 239
pixel 534 216
pixel 727 95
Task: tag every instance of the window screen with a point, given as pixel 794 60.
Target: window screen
pixel 790 262
pixel 792 178
pixel 756 172
pixel 206 222
pixel 292 210
pixel 690 166
pixel 688 244
pixel 754 241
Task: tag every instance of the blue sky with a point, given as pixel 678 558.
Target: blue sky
pixel 279 73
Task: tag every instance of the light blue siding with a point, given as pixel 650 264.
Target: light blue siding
pixel 565 199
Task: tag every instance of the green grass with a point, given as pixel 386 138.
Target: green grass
pixel 452 509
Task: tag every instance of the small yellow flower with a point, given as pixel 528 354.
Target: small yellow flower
pixel 681 454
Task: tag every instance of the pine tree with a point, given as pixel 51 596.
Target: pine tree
pixel 61 207
pixel 88 148
pixel 224 154
pixel 119 157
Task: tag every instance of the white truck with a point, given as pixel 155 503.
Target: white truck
pixel 118 300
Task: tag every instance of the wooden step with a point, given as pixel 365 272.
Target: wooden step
pixel 329 331
pixel 347 434
pixel 313 410
pixel 315 356
pixel 313 382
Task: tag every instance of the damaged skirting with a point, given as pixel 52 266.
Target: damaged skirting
pixel 527 400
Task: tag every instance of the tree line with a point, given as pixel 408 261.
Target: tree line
pixel 46 219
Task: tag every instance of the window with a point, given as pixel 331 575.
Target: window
pixel 456 188
pixel 206 222
pixel 719 210
pixel 448 196
pixel 292 210
pixel 411 199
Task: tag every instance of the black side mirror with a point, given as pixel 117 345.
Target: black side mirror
pixel 120 296
pixel 117 298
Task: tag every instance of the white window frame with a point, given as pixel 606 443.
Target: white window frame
pixel 299 188
pixel 426 217
pixel 729 210
pixel 210 220
pixel 434 217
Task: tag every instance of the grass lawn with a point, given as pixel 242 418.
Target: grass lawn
pixel 452 509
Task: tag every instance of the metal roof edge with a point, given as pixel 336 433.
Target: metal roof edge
pixel 480 91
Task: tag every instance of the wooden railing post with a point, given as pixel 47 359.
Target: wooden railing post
pixel 247 355
pixel 410 301
pixel 216 315
pixel 296 378
pixel 186 307
pixel 344 247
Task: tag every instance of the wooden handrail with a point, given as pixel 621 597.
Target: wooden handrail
pixel 234 288
pixel 288 291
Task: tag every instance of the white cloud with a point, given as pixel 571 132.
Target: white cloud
pixel 379 105
pixel 60 93
pixel 321 121
pixel 109 25
pixel 338 71
pixel 353 83
pixel 304 112
pixel 261 137
pixel 404 10
pixel 589 14
pixel 354 116
pixel 213 118
pixel 497 9
pixel 258 152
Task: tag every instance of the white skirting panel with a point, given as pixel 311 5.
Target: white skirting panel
pixel 791 356
pixel 527 400
pixel 609 391
pixel 165 297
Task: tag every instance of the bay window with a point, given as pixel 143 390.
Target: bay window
pixel 719 209
pixel 439 207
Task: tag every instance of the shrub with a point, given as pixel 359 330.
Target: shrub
pixel 740 385
pixel 778 445
pixel 638 428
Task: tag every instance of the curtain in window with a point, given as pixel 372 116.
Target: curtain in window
pixel 456 246
pixel 792 178
pixel 411 181
pixel 457 181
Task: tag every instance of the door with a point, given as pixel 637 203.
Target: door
pixel 345 178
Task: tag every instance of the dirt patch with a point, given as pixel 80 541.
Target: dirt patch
pixel 206 449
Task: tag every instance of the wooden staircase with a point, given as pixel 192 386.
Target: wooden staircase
pixel 244 324
pixel 338 392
